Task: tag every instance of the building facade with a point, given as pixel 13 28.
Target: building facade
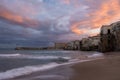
pixel 60 45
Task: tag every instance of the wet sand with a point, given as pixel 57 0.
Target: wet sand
pixel 104 69
pixel 58 73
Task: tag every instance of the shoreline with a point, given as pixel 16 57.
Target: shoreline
pixel 102 69
pixel 58 73
pixel 64 70
pixel 91 69
pixel 86 68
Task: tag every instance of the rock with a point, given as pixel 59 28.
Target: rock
pixel 110 37
pixel 73 45
pixel 116 34
pixel 90 44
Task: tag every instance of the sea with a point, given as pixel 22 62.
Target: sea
pixel 15 63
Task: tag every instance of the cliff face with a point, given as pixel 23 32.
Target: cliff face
pixel 110 38
pixel 116 33
pixel 73 45
pixel 91 43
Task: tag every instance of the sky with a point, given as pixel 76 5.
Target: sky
pixel 43 22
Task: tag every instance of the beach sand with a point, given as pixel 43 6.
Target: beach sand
pixel 102 69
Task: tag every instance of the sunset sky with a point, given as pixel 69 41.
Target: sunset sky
pixel 42 22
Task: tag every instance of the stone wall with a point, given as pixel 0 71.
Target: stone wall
pixel 110 38
pixel 60 45
pixel 116 33
pixel 89 44
pixel 73 45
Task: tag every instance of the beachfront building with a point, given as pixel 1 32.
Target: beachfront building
pixel 110 37
pixel 116 35
pixel 106 44
pixel 73 45
pixel 70 45
pixel 91 43
pixel 60 45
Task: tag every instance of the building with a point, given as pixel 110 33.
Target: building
pixel 106 43
pixel 116 35
pixel 90 43
pixel 60 45
pixel 110 37
pixel 73 45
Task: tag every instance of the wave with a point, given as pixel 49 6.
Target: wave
pixel 23 56
pixel 25 70
pixel 9 55
pixel 96 55
pixel 16 72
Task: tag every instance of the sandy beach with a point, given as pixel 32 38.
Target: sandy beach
pixel 104 69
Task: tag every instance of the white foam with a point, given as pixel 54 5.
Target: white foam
pixel 96 55
pixel 30 69
pixel 25 70
pixel 23 56
pixel 9 55
pixel 43 57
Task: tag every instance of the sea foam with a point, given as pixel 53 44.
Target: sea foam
pixel 16 72
pixel 25 70
pixel 26 56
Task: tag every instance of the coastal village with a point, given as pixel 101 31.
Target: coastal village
pixel 108 40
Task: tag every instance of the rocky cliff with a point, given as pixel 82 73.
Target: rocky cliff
pixel 91 43
pixel 110 37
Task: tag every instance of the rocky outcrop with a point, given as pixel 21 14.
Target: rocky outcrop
pixel 90 44
pixel 116 34
pixel 106 40
pixel 110 37
pixel 73 45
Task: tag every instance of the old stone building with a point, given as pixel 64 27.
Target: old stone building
pixel 110 37
pixel 60 45
pixel 106 43
pixel 73 45
pixel 116 35
pixel 91 43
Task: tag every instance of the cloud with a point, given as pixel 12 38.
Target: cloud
pixel 55 20
pixel 106 13
pixel 17 19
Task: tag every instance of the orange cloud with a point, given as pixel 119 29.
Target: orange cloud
pixel 75 28
pixel 19 19
pixel 107 13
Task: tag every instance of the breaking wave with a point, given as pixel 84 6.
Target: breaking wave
pixel 25 70
pixel 16 72
pixel 24 56
pixel 9 55
pixel 96 55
